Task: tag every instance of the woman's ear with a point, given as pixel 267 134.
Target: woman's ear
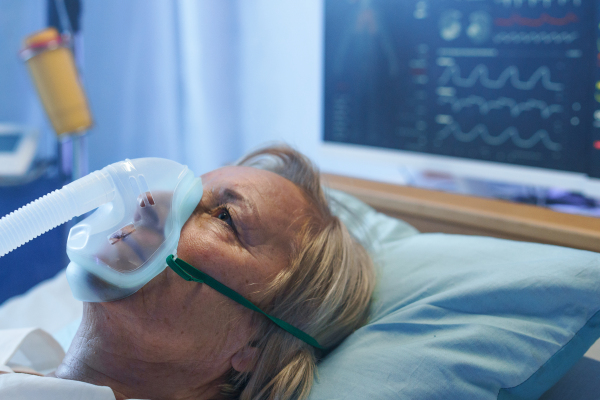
pixel 245 359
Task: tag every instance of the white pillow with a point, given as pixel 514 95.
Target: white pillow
pixel 464 317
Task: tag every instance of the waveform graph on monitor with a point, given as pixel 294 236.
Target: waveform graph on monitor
pixel 482 132
pixel 535 38
pixel 535 3
pixel 511 75
pixel 543 19
pixel 515 107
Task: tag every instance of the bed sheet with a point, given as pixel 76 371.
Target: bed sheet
pixel 48 305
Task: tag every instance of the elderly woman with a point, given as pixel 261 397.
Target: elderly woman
pixel 263 229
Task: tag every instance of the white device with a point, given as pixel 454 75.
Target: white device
pixel 18 145
pixel 387 165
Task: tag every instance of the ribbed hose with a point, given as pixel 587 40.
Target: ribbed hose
pixel 37 217
pixel 56 208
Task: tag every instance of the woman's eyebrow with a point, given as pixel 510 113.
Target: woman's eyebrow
pixel 229 195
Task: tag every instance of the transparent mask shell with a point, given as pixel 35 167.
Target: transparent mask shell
pixel 123 244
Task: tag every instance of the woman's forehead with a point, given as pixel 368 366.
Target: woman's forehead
pixel 253 184
pixel 245 177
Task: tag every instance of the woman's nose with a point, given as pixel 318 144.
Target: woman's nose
pixel 146 215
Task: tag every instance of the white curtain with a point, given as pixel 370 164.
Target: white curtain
pixel 201 81
pixel 161 77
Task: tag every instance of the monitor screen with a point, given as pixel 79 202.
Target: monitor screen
pixel 504 81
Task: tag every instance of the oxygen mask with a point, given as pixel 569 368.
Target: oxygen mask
pixel 141 206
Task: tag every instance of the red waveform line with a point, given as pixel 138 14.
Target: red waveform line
pixel 536 22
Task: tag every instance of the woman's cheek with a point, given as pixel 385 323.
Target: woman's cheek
pixel 202 244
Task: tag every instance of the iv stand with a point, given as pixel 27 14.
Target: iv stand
pixel 74 144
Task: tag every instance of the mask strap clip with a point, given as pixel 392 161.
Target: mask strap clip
pixel 182 270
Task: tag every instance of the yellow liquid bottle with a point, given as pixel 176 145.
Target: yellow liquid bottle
pixel 53 70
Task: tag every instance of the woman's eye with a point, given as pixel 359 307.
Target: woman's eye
pixel 224 215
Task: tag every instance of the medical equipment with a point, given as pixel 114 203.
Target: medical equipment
pixel 52 68
pixel 141 204
pixel 17 149
pixel 51 64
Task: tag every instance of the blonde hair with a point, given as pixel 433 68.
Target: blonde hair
pixel 325 290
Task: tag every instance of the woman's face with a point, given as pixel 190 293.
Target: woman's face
pixel 242 231
pixel 241 234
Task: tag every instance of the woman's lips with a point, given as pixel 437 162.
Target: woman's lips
pixel 129 248
pixel 121 233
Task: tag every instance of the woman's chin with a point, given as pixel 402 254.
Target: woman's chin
pixel 148 297
pixel 162 302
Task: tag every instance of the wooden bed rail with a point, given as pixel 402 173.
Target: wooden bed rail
pixel 433 211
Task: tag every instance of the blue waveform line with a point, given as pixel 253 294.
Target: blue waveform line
pixel 533 3
pixel 516 109
pixel 481 73
pixel 535 37
pixel 510 133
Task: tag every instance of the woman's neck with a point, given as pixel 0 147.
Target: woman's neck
pixel 106 351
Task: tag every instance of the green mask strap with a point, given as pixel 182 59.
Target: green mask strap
pixel 189 273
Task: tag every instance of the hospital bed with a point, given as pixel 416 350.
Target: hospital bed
pixel 362 368
pixel 434 211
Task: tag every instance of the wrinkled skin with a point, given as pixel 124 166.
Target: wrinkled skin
pixel 177 339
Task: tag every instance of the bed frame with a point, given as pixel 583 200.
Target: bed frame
pixel 433 211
